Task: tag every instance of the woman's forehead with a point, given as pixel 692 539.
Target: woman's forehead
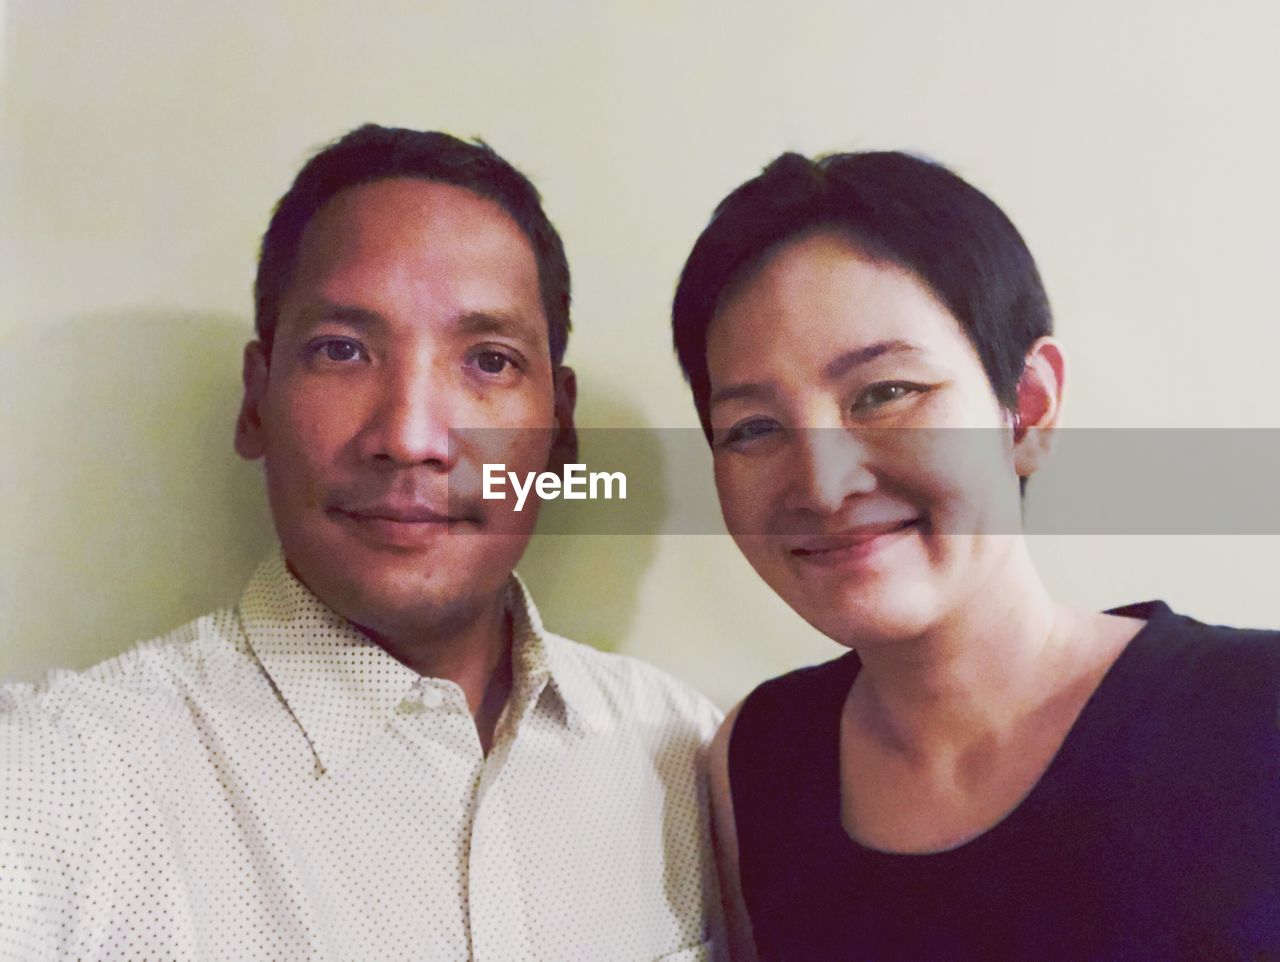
pixel 820 295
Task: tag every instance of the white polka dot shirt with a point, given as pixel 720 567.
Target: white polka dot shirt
pixel 266 783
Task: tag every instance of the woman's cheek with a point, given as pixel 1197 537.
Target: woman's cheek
pixel 734 491
pixel 950 474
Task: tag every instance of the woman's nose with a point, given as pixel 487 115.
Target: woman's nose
pixel 831 465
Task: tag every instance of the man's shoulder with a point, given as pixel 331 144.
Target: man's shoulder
pixel 634 690
pixel 130 689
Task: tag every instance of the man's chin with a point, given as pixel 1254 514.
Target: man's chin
pixel 384 608
pixel 386 592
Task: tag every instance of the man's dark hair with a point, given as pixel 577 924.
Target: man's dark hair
pixel 893 207
pixel 372 153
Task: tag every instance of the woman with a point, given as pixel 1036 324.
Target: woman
pixel 987 774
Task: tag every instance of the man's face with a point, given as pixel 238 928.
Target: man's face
pixel 414 308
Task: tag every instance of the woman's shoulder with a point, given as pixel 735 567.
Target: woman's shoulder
pixel 810 682
pixel 788 717
pixel 1165 619
pixel 1200 680
pixel 1179 639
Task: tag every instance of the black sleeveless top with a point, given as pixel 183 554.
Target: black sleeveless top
pixel 1154 833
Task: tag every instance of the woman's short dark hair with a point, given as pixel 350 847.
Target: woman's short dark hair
pixel 372 153
pixel 893 207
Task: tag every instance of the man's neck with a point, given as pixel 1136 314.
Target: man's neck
pixel 473 653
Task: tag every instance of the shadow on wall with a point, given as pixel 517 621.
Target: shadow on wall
pixel 126 511
pixel 586 584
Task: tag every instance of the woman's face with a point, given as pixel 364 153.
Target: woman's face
pixel 863 463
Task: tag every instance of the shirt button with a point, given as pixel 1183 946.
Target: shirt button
pixel 431 698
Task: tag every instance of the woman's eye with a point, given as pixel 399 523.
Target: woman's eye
pixel 878 395
pixel 751 430
pixel 493 362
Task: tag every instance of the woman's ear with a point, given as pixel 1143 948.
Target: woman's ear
pixel 1039 405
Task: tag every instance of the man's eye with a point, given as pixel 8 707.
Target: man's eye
pixel 878 395
pixel 337 350
pixel 493 362
pixel 751 430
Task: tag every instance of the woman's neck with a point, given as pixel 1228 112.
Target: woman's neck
pixel 974 678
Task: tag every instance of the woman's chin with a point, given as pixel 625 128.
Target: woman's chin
pixel 865 615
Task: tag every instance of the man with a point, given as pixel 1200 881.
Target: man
pixel 379 753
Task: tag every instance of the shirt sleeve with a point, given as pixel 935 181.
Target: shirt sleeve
pixel 45 791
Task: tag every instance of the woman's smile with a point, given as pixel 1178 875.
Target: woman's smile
pixel 854 547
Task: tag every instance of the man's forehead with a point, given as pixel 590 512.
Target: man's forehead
pixel 408 204
pixel 403 245
pixel 410 215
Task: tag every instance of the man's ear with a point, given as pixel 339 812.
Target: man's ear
pixel 564 449
pixel 250 443
pixel 1040 393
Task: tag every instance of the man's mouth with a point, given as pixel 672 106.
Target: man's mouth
pixel 404 525
pixel 399 514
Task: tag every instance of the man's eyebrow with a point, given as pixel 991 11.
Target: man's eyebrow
pixel 323 311
pixel 494 322
pixel 469 323
pixel 834 370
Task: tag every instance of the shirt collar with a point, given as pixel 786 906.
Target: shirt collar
pixel 342 688
pixel 543 659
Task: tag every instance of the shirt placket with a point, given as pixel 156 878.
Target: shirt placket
pixel 499 925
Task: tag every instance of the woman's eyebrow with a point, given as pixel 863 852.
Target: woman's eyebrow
pixel 833 371
pixel 749 389
pixel 846 362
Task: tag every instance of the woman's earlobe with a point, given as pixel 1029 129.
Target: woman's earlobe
pixel 1039 405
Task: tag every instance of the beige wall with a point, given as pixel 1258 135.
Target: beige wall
pixel 142 143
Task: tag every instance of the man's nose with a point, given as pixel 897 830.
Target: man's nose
pixel 410 422
pixel 831 465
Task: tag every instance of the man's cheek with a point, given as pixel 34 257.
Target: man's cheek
pixel 294 479
pixel 505 451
